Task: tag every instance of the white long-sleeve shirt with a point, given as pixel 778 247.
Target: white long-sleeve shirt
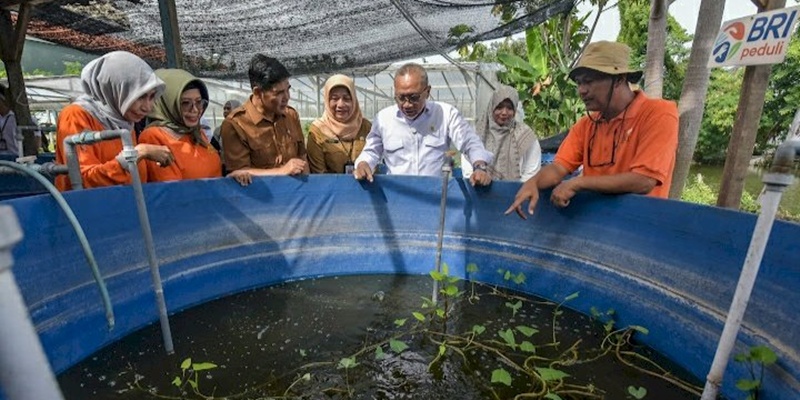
pixel 418 147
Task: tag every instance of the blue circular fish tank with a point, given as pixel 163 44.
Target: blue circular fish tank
pixel 669 266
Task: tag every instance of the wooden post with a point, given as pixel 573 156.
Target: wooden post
pixel 12 41
pixel 745 128
pixel 171 33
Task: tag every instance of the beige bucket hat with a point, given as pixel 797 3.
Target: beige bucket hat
pixel 608 57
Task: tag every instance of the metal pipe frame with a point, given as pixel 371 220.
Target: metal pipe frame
pixel 131 157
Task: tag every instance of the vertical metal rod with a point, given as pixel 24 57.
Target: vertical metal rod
pixel 447 168
pixel 24 370
pixel 131 155
pixel 747 279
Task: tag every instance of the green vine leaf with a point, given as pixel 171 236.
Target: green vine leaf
pixel 519 278
pixel 527 347
pixel 514 307
pixel 549 374
pixel 347 363
pixel 400 322
pixel 450 290
pixel 397 346
pixel 478 329
pixel 472 268
pixel 177 381
pixel 552 396
pixel 501 376
pixel 379 354
pixel 527 330
pixel 637 393
pixel 186 364
pixel 437 276
pixel 747 385
pixel 763 354
pixel 508 336
pixel 418 316
pixel 203 366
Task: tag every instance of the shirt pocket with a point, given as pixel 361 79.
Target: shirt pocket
pixel 435 142
pixel 393 144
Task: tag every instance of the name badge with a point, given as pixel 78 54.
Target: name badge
pixel 349 167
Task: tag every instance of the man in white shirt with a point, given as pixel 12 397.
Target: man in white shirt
pixel 413 136
pixel 8 129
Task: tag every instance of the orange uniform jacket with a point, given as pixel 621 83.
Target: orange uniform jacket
pixel 643 139
pixel 192 161
pixel 99 166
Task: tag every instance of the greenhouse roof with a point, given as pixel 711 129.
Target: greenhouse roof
pixel 218 37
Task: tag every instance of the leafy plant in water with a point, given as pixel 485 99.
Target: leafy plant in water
pixel 756 359
pixel 535 369
pixel 190 373
pixel 557 312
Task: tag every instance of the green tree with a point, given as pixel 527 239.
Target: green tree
pixel 72 67
pixel 783 99
pixel 722 100
pixel 634 16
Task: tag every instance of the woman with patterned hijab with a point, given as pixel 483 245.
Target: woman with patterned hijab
pixel 175 123
pixel 119 90
pixel 336 139
pixel 517 155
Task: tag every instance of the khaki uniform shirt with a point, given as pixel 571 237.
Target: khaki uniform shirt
pixel 253 141
pixel 329 156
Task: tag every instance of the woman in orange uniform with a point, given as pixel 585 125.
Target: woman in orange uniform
pixel 175 123
pixel 119 90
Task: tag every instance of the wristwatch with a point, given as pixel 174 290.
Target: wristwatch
pixel 480 167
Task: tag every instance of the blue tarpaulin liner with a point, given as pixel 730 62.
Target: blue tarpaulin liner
pixel 669 266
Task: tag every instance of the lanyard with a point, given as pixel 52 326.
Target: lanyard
pixel 349 152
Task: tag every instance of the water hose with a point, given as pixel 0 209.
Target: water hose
pixel 87 250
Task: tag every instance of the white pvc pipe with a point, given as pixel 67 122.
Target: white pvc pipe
pixel 447 168
pixel 769 208
pixel 131 156
pixel 24 370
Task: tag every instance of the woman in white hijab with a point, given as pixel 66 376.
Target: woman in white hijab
pixel 119 90
pixel 517 154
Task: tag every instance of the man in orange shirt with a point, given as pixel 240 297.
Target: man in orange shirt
pixel 626 143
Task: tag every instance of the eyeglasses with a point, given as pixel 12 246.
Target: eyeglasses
pixel 412 98
pixel 200 105
pixel 617 138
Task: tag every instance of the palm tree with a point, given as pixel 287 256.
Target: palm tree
pixel 693 93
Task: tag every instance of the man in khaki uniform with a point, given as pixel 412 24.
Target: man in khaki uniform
pixel 264 136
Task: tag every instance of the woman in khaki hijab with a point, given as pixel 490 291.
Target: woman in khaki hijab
pixel 337 138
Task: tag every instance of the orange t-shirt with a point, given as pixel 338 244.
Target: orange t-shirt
pixel 99 166
pixel 192 161
pixel 642 139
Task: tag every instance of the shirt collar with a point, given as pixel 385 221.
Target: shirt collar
pixel 629 112
pixel 255 115
pixel 426 110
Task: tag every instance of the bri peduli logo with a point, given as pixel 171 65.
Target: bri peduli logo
pixel 762 38
pixel 728 42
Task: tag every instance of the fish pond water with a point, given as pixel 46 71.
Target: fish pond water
pixel 379 337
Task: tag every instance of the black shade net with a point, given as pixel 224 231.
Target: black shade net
pixel 219 37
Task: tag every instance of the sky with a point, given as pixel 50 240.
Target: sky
pixel 685 11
